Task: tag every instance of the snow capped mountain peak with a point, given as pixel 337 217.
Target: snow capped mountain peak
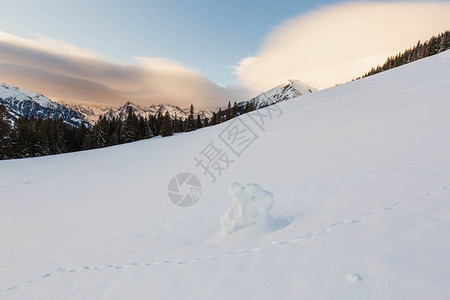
pixel 283 92
pixel 19 92
pixel 129 104
pixel 21 102
pixel 301 87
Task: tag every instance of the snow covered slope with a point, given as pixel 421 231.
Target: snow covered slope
pixel 21 102
pixel 361 172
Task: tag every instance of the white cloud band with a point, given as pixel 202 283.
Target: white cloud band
pixel 340 42
pixel 65 72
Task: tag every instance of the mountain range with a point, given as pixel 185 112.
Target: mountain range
pixel 21 102
pixel 91 112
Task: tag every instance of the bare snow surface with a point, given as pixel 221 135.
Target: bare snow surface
pixel 359 172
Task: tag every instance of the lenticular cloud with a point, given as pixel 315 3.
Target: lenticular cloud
pixel 340 42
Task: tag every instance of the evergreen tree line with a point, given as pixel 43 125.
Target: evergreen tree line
pixel 35 136
pixel 165 126
pixel 30 136
pixel 435 45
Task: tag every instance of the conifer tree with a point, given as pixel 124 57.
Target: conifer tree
pixel 159 120
pixel 180 126
pixel 143 130
pixel 228 114
pixel 213 119
pixel 22 136
pixel 167 128
pixel 41 146
pixel 114 139
pixel 5 133
pixel 128 131
pixel 176 125
pixel 234 110
pixel 190 122
pixel 199 122
pixel 60 142
pixel 249 107
pixel 88 141
pixel 99 133
pixel 219 116
pixel 80 135
pixel 152 124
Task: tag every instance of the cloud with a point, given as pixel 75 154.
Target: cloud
pixel 163 65
pixel 337 43
pixel 48 45
pixel 62 71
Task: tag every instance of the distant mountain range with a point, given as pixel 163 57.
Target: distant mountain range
pixel 91 112
pixel 21 102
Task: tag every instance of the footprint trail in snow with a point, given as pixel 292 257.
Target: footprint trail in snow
pixel 282 243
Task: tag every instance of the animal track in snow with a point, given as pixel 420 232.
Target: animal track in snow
pixel 352 277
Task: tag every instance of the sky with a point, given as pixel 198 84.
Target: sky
pixel 203 52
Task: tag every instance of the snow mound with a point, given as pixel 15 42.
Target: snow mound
pixel 352 277
pixel 251 206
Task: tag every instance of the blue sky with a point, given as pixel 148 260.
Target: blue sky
pixel 202 52
pixel 208 36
